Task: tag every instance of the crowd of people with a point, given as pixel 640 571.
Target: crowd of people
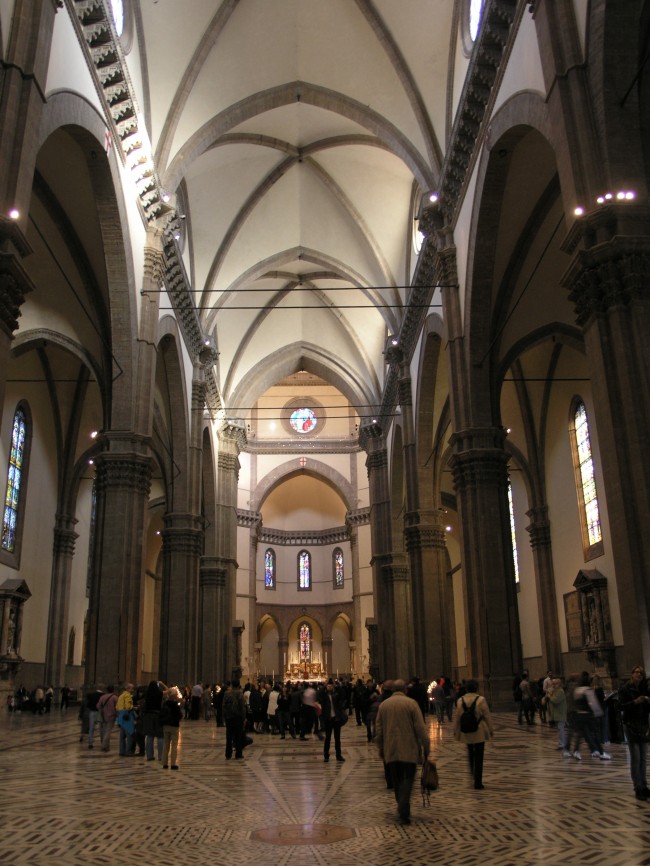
pixel 148 718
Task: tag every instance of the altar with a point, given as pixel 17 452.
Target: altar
pixel 306 671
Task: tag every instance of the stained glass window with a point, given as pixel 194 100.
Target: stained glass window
pixel 117 10
pixel 338 568
pixel 305 642
pixel 304 570
pixel 303 420
pixel 585 477
pixel 269 569
pixel 14 477
pixel 513 536
pixel 475 12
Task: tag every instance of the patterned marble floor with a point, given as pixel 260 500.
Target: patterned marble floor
pixel 63 805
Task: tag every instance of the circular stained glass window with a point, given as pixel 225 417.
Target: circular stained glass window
pixel 303 420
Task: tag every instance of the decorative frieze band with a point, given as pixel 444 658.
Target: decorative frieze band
pixel 248 519
pixel 281 537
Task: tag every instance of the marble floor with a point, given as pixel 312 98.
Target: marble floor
pixel 63 804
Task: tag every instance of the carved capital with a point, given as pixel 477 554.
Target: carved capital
pixel 154 266
pixel 124 472
pixel 371 437
pixel 233 433
pixel 539 528
pixel 612 265
pixel 479 457
pixel 64 535
pixel 377 460
pixel 14 285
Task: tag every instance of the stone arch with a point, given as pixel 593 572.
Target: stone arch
pixel 317 469
pixel 70 111
pixel 292 358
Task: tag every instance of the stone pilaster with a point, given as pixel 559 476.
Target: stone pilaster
pixel 117 587
pixel 57 633
pixel 609 283
pixel 373 442
pixel 479 465
pixel 232 438
pixel 540 542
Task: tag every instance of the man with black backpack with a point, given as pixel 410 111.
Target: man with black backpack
pixel 234 715
pixel 473 726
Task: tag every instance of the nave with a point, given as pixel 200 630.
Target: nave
pixel 63 805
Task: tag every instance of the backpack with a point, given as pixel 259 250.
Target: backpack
pixel 231 706
pixel 468 720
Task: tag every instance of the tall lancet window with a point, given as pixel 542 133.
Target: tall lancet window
pixel 304 570
pixel 337 560
pixel 269 569
pixel 585 478
pixel 15 490
pixel 305 642
pixel 513 534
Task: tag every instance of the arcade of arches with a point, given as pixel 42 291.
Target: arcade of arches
pixel 323 339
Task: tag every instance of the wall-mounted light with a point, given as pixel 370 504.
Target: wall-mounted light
pixel 14 213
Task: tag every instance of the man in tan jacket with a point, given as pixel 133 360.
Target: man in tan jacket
pixel 403 742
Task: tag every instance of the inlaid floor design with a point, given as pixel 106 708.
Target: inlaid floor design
pixel 63 805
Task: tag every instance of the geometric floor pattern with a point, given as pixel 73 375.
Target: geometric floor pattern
pixel 63 805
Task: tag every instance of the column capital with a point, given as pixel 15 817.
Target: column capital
pixel 64 535
pixel 15 283
pixel 479 457
pixel 424 536
pixel 124 471
pixel 612 264
pixel 372 437
pixel 233 432
pixel 539 528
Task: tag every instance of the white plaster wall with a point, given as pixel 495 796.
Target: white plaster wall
pixel 563 507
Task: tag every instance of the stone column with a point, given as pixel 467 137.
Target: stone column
pixel 212 581
pixel 57 631
pixel 480 469
pixel 206 575
pixel 399 649
pixel 182 539
pixel 232 438
pixel 117 590
pixel 283 650
pixel 330 668
pixel 540 542
pixel 372 441
pixel 426 546
pixel 609 282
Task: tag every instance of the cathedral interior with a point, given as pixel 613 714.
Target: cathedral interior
pixel 322 341
pixel 323 353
